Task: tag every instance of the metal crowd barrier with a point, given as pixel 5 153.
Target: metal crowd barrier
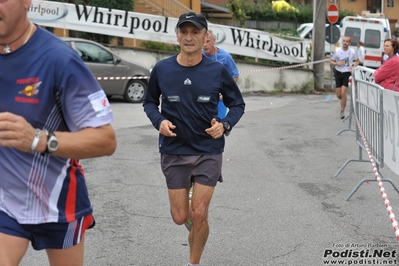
pixel 367 106
pixel 361 73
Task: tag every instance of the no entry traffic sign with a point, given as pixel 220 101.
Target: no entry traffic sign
pixel 332 13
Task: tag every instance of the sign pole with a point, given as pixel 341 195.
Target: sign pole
pixel 333 16
pixel 331 53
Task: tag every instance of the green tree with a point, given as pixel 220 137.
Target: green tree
pixel 236 8
pixel 126 5
pixel 263 10
pixel 305 14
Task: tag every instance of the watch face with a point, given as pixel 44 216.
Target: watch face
pixel 226 126
pixel 53 144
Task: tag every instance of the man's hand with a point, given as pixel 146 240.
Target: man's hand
pixel 216 130
pixel 16 132
pixel 166 128
pixel 341 63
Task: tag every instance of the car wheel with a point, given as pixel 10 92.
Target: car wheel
pixel 135 91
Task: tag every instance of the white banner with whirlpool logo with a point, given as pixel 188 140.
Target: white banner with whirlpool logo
pixel 119 23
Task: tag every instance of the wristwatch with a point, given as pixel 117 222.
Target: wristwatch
pixel 227 128
pixel 52 142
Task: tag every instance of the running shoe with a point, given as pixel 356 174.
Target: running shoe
pixel 342 115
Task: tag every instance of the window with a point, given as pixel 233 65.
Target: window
pixel 390 3
pixel 92 53
pixel 372 39
pixel 354 34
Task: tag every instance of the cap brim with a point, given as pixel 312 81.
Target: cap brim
pixel 195 23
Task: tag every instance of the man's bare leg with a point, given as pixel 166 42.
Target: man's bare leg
pixel 178 199
pixel 344 97
pixel 72 256
pixel 12 249
pixel 338 92
pixel 199 233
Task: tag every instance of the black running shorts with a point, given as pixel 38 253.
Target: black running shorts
pixel 342 78
pixel 182 170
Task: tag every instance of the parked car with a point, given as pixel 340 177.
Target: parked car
pixel 112 71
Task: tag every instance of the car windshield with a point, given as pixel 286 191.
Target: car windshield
pixel 301 29
pixel 93 53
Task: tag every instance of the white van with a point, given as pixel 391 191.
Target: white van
pixel 305 31
pixel 370 28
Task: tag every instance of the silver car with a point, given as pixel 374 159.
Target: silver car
pixel 115 75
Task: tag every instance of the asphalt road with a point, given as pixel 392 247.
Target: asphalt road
pixel 279 203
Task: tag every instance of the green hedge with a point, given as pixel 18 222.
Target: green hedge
pixel 264 11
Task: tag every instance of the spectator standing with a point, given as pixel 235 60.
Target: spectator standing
pixel 222 56
pixel 360 52
pixel 52 113
pixel 191 139
pixel 342 60
pixel 387 75
pixel 385 56
pixel 336 46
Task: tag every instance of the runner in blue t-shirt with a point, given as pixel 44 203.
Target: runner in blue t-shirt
pixel 191 139
pixel 52 113
pixel 222 56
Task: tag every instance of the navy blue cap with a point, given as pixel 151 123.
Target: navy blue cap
pixel 198 20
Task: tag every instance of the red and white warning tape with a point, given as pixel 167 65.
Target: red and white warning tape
pixel 379 180
pixel 285 67
pixel 245 71
pixel 122 78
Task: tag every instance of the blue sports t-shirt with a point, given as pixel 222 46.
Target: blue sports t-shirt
pixel 47 83
pixel 224 57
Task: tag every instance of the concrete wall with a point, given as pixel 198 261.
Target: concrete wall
pixel 253 77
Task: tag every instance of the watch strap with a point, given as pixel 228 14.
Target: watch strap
pixel 227 128
pixel 35 141
pixel 49 134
